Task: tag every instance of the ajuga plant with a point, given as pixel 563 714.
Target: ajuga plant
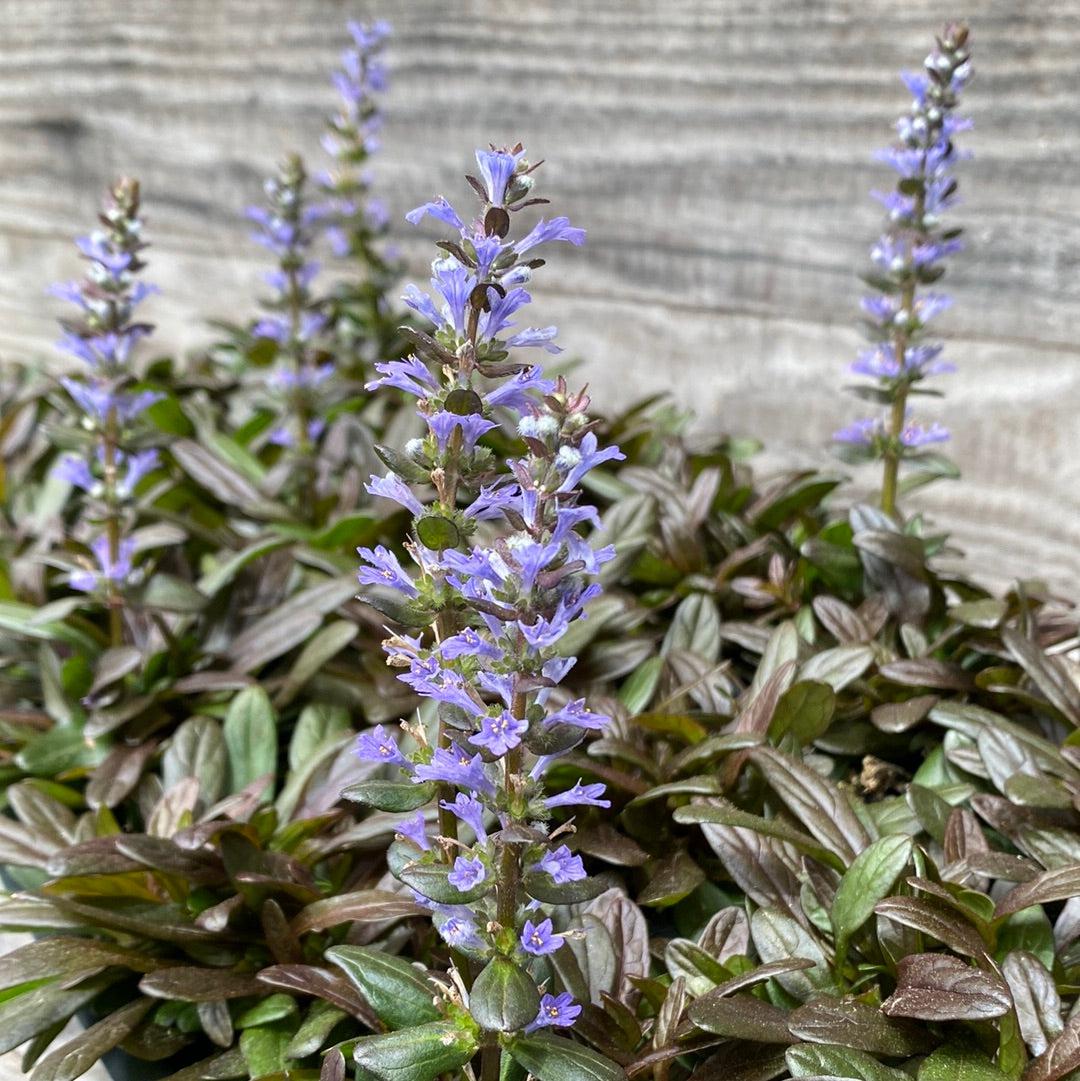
pixel 364 324
pixel 908 258
pixel 114 457
pixel 501 576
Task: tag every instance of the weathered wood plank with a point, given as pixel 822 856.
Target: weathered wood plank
pixel 719 152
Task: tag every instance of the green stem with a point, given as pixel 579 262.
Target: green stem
pixel 112 527
pixel 890 477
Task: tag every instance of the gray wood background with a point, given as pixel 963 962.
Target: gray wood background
pixel 718 151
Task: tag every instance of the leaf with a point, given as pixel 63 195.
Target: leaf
pixel 779 937
pixel 318 725
pixel 197 749
pixel 818 803
pixel 390 795
pixel 328 986
pixel 398 992
pixel 805 710
pixel 1061 1058
pixel 671 880
pixel 823 1060
pixel 695 627
pixel 1035 999
pixel 926 672
pixel 415 1054
pixel 432 880
pixel 222 574
pixel 289 624
pixel 250 735
pixel 551 1058
pixel 197 984
pixel 722 812
pixel 118 775
pixel 1047 673
pixel 625 925
pixel 860 1025
pixel 32 1011
pixel 264 1051
pixel 838 666
pixel 637 692
pixel 869 879
pixel 503 997
pixel 937 987
pixel 364 906
pixel 742 1017
pixel 73 1058
pixel 219 478
pixel 1057 884
pixel 542 887
pixel 319 650
pixel 73 959
pixel 953 1063
pixel 935 919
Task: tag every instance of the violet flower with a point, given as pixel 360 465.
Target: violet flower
pixel 907 258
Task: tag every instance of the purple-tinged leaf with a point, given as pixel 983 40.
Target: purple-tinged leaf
pixel 1058 884
pixel 850 1022
pixel 938 987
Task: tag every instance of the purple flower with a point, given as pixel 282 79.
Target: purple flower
pixel 393 487
pixel 563 866
pixel 556 1011
pixel 116 571
pixel 535 336
pixel 539 939
pixel 862 432
pixel 384 570
pixel 468 643
pixel 577 461
pixel 415 829
pixel 453 766
pixel 472 426
pixel 587 795
pixel 577 713
pixel 545 231
pixel 137 467
pixel 438 208
pixel 470 811
pixel 496 169
pixel 467 873
pixel 915 434
pixel 377 745
pixel 460 933
pixel 500 734
pixel 521 390
pixel 410 375
pixel 75 471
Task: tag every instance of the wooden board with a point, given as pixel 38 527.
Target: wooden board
pixel 718 151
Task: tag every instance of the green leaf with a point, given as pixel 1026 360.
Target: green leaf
pixel 503 997
pixel 805 710
pixel 827 1060
pixel 39 1007
pixel 318 724
pixel 869 879
pixel 741 1017
pixel 250 732
pixel 542 887
pixel 264 1050
pixel 272 1008
pixel 695 628
pixel 415 1054
pixel 637 692
pixel 954 1063
pixel 197 749
pixel 432 880
pixel 397 991
pixel 671 880
pixel 391 795
pixel 551 1058
pixel 438 532
pixel 319 649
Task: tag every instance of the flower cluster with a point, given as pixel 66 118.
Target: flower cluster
pixel 498 606
pixel 906 259
pixel 103 335
pixel 355 218
pixel 288 226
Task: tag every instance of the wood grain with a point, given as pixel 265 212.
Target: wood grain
pixel 718 151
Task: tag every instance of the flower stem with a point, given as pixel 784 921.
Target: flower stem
pixel 112 528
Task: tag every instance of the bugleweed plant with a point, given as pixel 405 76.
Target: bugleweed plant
pixel 790 802
pixel 490 663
